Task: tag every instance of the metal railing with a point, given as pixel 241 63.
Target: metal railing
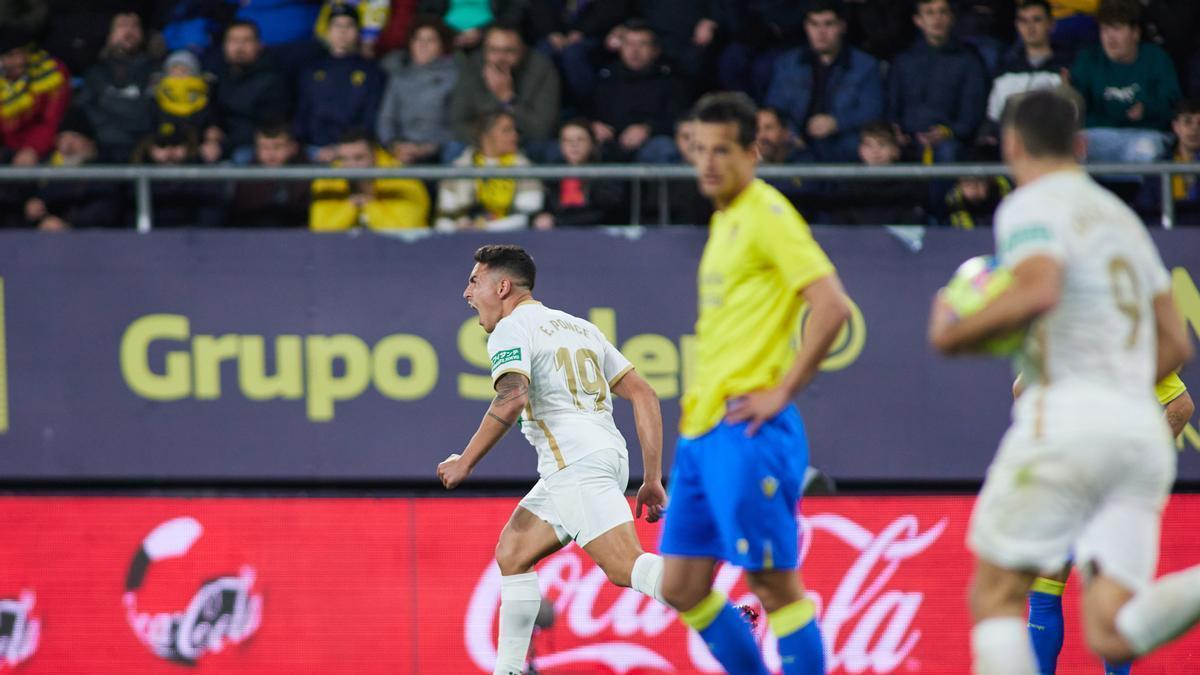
pixel 660 175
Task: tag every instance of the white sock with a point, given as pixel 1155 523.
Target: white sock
pixel 1162 611
pixel 520 599
pixel 1001 646
pixel 646 577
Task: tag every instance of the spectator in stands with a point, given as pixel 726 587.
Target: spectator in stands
pixel 340 91
pixel 876 202
pixel 27 16
pixel 192 25
pixel 414 120
pixel 775 140
pixel 470 19
pixel 637 101
pixel 576 202
pixel 116 91
pixel 35 91
pixel 1174 25
pixel 827 90
pixel 490 203
pixel 399 27
pixel 269 203
pixel 180 203
pixel 281 22
pixel 249 90
pixel 685 204
pixel 380 204
pixel 973 200
pixel 1032 63
pixel 986 25
pixel 77 32
pixel 1074 25
pixel 937 88
pixel 181 98
pixel 505 75
pixel 62 205
pixel 372 17
pixel 1128 89
pixel 569 33
pixel 757 31
pixel 687 33
pixel 1185 188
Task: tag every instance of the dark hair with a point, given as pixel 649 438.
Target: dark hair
pixel 488 120
pixel 512 259
pixel 822 6
pixel 1044 4
pixel 445 33
pixel 582 123
pixel 1047 120
pixel 918 3
pixel 1119 12
pixel 730 107
pixel 1187 106
pixel 355 135
pixel 505 27
pixel 244 23
pixel 275 128
pixel 879 129
pixel 640 26
pixel 779 114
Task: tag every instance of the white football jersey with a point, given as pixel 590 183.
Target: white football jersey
pixel 571 368
pixel 1090 362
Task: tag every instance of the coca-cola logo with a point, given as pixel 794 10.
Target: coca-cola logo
pixel 868 624
pixel 20 630
pixel 225 610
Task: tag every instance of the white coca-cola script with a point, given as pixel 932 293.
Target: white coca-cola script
pixel 868 624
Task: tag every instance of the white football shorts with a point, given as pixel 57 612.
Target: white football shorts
pixel 1099 496
pixel 584 500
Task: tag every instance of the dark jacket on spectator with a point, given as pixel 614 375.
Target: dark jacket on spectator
pixel 86 205
pixel 654 96
pixel 930 86
pixel 593 18
pixel 244 98
pixel 853 92
pixel 1110 89
pixel 187 204
pixel 416 102
pixel 881 28
pixel 604 202
pixel 77 31
pixel 337 94
pixel 281 21
pixel 537 89
pixel 270 204
pixel 762 23
pixel 117 95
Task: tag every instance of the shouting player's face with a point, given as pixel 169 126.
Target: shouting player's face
pixel 483 294
pixel 724 165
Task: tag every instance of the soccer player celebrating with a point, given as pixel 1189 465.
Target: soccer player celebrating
pixel 1045 598
pixel 554 375
pixel 1088 462
pixel 742 456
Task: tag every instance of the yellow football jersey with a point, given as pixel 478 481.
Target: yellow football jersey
pixel 760 255
pixel 1169 388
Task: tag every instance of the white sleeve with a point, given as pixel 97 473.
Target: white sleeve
pixel 511 350
pixel 616 365
pixel 1023 231
pixel 1156 272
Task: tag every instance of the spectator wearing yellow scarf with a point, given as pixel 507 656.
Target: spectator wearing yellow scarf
pixel 381 204
pixel 490 203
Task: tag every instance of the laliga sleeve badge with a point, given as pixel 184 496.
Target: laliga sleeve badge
pixel 171 616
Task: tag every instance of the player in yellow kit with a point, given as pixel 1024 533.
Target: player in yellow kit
pixel 1045 598
pixel 742 454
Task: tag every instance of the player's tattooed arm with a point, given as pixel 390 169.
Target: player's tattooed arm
pixel 512 392
pixel 1179 413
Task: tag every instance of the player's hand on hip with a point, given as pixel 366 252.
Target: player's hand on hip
pixel 653 496
pixel 453 470
pixel 756 408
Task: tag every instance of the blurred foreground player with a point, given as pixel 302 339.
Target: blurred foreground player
pixel 741 460
pixel 554 375
pixel 1088 462
pixel 1045 598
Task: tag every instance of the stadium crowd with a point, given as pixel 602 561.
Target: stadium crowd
pixel 388 83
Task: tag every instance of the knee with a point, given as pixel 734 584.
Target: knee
pixel 774 595
pixel 683 595
pixel 510 559
pixel 620 575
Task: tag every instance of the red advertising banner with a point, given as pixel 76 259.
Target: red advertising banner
pixel 275 585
